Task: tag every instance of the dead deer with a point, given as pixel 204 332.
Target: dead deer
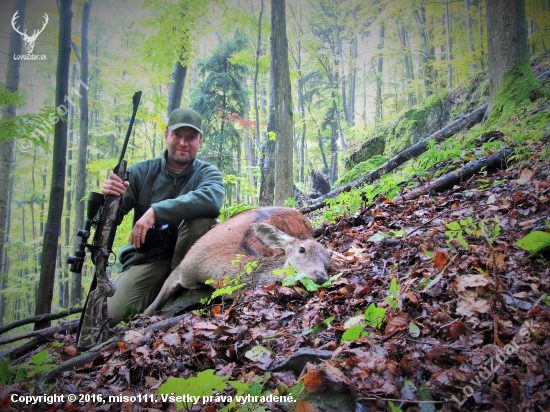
pixel 275 237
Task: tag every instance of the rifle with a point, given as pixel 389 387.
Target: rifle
pixel 103 215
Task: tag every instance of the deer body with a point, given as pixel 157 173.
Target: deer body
pixel 275 237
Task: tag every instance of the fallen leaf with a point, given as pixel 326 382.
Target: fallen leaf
pixel 441 260
pixel 525 177
pixel 303 406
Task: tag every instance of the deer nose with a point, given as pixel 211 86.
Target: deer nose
pixel 320 277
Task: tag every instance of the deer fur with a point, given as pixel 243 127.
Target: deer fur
pixel 275 237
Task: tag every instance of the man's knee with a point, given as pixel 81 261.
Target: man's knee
pixel 195 228
pixel 189 232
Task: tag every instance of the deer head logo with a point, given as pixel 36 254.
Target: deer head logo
pixel 29 40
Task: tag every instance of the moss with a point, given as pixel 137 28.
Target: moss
pixel 418 123
pixel 518 87
pixel 361 169
pixel 372 146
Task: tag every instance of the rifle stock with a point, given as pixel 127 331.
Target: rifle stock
pixel 93 327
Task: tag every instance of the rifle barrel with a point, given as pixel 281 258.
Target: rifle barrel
pixel 135 100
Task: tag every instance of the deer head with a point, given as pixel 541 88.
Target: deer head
pixel 29 40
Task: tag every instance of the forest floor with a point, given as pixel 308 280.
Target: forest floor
pixel 465 325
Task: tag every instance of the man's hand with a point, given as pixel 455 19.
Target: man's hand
pixel 137 237
pixel 114 186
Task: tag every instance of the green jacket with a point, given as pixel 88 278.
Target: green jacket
pixel 198 192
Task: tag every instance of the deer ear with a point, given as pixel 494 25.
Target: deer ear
pixel 271 236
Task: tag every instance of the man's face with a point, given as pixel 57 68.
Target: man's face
pixel 183 145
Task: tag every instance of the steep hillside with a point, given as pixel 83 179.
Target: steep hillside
pixel 443 304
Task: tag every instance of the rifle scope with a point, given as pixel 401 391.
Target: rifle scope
pixel 94 203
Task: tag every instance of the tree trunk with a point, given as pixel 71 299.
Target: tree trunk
pixel 449 47
pixel 64 281
pixel 508 55
pixel 426 68
pixel 80 180
pixel 378 117
pixel 256 72
pixel 408 66
pixel 473 65
pixel 353 73
pixel 179 73
pixel 481 42
pixel 456 177
pixel 333 176
pixel 6 148
pixel 281 105
pixel 53 225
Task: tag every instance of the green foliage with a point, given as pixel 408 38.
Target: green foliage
pixel 7 374
pixel 204 384
pixel 354 333
pixel 292 277
pixel 40 362
pixel 29 127
pixel 424 394
pixel 129 312
pixel 394 300
pixel 535 242
pixel 394 408
pixel 414 330
pixel 361 169
pixel 176 26
pixel 374 316
pixel 346 202
pixel 230 286
pixel 489 228
pixel 221 99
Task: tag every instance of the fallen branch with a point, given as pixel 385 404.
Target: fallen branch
pixel 465 122
pixel 449 180
pixel 40 337
pixel 39 318
pixel 112 343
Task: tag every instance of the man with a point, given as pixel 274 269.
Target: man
pixel 175 189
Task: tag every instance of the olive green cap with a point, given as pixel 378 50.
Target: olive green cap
pixel 185 116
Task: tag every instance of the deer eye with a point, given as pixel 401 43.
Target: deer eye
pixel 302 249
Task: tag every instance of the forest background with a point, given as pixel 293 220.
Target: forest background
pixel 355 66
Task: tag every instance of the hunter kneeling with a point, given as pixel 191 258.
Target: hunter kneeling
pixel 176 199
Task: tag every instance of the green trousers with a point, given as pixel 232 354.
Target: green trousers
pixel 139 285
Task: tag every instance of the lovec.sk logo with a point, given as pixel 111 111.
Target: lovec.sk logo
pixel 29 40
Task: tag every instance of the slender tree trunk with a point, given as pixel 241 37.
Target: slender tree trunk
pixel 378 117
pixel 51 235
pixel 353 73
pixel 301 105
pixel 281 105
pixel 481 41
pixel 179 73
pixel 408 67
pixel 6 149
pixel 425 54
pixel 80 180
pixel 256 72
pixel 473 65
pixel 449 47
pixel 64 281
